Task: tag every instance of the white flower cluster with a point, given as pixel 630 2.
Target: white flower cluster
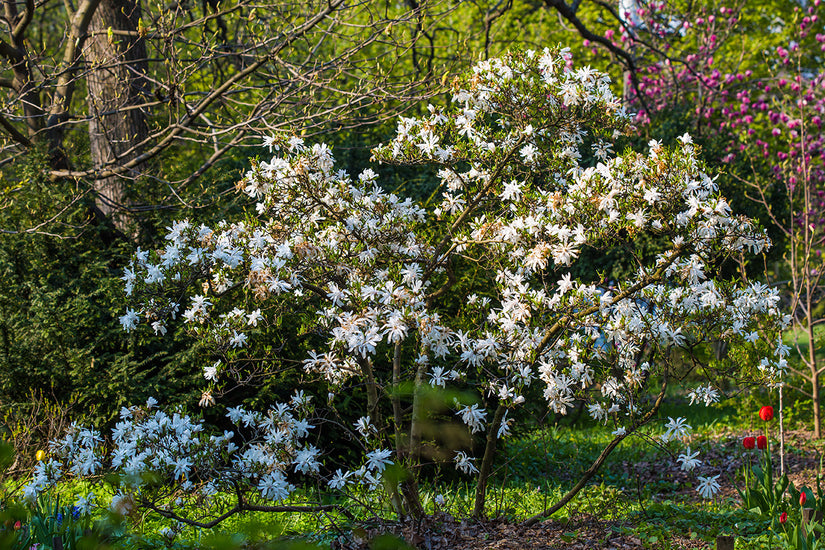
pixel 376 461
pixel 522 200
pixel 152 444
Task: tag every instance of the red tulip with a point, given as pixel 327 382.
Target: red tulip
pixel 762 442
pixel 766 413
pixel 783 517
pixel 802 498
pixel 749 442
pixel 17 525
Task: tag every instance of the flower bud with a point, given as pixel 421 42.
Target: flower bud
pixel 766 413
pixel 762 442
pixel 749 442
pixel 783 517
pixel 802 498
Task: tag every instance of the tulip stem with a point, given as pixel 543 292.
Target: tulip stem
pixel 781 435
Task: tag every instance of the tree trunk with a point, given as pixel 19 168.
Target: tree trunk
pixel 815 399
pixel 812 362
pixel 409 487
pixel 117 83
pixel 487 461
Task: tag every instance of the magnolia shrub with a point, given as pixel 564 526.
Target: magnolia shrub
pixel 376 283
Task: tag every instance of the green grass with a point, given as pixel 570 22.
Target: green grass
pixel 534 471
pixel 799 336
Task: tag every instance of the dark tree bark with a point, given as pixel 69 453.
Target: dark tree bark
pixel 117 87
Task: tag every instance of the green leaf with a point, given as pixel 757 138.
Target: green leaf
pixel 6 455
pixel 569 537
pixel 389 542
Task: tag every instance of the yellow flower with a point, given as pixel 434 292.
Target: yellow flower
pixel 40 455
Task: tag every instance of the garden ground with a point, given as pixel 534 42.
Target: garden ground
pixel 442 532
pixel 639 499
pixel 656 508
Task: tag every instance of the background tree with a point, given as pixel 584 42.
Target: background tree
pixel 116 87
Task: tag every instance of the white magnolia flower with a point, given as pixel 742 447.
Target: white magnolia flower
pixel 465 463
pixel 210 373
pixel 305 460
pixel 704 394
pixel 364 427
pixel 378 460
pixel 473 417
pixel 238 339
pixel 206 400
pixel 676 429
pixel 273 486
pixel 528 152
pixel 129 320
pixel 688 460
pixel 254 317
pixel 339 480
pixel 708 486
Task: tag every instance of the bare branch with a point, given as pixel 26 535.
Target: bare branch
pixel 21 25
pixel 15 134
pixel 202 106
pixel 71 56
pixel 570 14
pixel 10 52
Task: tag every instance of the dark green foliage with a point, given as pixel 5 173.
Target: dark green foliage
pixel 389 542
pixel 59 306
pixel 762 493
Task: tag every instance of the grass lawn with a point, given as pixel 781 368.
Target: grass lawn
pixel 639 499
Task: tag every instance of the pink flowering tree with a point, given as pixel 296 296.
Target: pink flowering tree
pixel 529 181
pixel 781 145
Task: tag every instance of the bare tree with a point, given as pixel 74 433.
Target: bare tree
pixel 115 88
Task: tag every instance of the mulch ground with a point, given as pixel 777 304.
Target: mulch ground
pixel 441 532
pixel 580 532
